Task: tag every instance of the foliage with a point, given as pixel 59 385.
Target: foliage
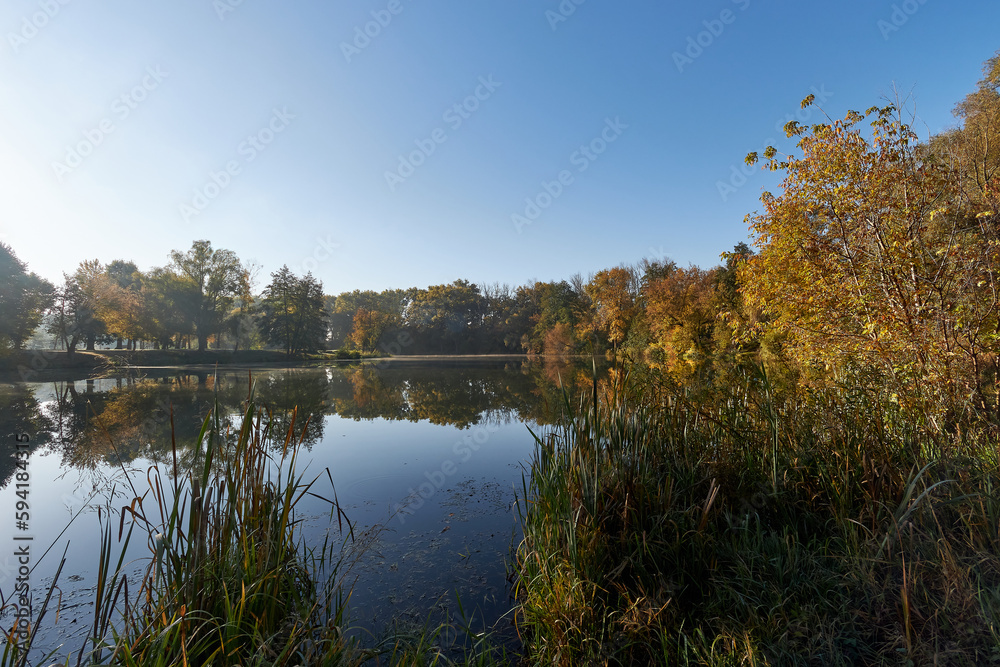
pixel 217 278
pixel 292 312
pixel 23 298
pixel 872 260
pixel 73 320
pixel 615 294
pixel 972 150
pixel 168 298
pixel 118 301
pixel 682 317
pixel 369 325
pixel 451 315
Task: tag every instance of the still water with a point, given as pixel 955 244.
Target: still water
pixel 426 459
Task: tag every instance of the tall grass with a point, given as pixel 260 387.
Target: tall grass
pixel 746 527
pixel 231 580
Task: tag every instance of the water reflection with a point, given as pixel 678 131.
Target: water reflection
pixel 20 412
pixel 424 457
pixel 120 420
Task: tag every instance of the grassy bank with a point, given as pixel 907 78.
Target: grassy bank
pixel 664 528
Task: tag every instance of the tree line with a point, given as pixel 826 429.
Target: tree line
pixel 205 297
pixel 877 263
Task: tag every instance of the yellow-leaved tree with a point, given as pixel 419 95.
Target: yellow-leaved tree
pixel 875 265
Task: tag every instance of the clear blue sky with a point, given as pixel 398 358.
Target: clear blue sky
pixel 115 114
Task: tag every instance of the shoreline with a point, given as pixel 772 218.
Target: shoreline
pixel 43 365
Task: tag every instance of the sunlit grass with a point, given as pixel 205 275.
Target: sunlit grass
pixel 668 528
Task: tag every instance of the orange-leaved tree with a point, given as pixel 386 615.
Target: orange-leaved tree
pixel 682 313
pixel 615 293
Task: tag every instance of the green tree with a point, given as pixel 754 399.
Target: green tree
pixel 73 320
pixel 24 297
pixel 448 317
pixel 218 278
pixel 168 298
pixel 292 312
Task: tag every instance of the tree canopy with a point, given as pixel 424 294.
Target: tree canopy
pixel 217 277
pixel 292 312
pixel 24 297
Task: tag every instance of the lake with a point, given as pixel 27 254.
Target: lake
pixel 426 458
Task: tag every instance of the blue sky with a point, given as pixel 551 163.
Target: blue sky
pixel 390 143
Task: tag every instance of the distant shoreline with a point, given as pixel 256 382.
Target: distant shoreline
pixel 34 365
pixel 28 365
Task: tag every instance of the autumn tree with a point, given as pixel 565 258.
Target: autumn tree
pixel 369 325
pixel 872 261
pixel 552 312
pixel 972 150
pixel 24 297
pixel 681 310
pixel 341 311
pixel 615 293
pixel 117 300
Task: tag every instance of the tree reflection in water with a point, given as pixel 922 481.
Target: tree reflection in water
pixel 119 420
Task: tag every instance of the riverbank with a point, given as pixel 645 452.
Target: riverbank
pixel 32 365
pixel 29 365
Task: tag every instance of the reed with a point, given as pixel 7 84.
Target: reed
pixel 744 526
pixel 231 579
